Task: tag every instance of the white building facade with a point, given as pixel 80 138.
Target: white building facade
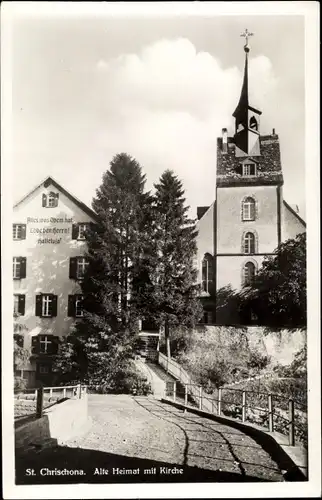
pixel 49 244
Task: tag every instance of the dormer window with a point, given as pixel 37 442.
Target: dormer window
pixel 249 169
pixel 50 200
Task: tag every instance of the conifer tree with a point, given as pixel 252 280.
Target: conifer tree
pixel 106 336
pixel 175 297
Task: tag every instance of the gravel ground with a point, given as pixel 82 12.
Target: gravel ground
pixel 141 432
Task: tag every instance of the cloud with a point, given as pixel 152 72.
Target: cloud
pixel 164 105
pixel 167 105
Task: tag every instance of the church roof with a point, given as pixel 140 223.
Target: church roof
pixel 48 181
pixel 269 170
pixel 299 218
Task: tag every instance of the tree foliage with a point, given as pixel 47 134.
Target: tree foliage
pixel 278 293
pixel 175 294
pixel 104 340
pixel 141 254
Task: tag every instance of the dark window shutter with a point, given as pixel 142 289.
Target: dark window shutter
pixel 55 344
pixel 44 200
pixel 73 268
pixel 57 197
pixel 38 305
pixel 23 231
pixel 21 304
pixel 54 306
pixel 23 262
pixel 71 305
pixel 35 345
pixel 74 231
pixel 50 347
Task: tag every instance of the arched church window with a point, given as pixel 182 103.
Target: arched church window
pixel 248 208
pixel 207 272
pixel 249 272
pixel 249 243
pixel 253 123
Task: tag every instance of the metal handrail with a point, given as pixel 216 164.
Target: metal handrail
pixel 196 392
pixel 39 393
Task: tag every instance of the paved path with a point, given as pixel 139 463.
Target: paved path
pixel 142 434
pixel 156 376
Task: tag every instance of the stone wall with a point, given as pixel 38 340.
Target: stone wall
pixel 58 423
pixel 280 344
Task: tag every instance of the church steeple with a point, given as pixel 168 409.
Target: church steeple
pixel 246 117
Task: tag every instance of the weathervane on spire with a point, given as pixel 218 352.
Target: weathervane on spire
pixel 246 34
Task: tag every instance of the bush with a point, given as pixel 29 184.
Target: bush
pixel 20 384
pixel 180 341
pixel 126 381
pixel 221 355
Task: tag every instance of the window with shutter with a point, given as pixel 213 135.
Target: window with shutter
pixel 79 313
pixel 55 344
pixel 16 304
pixel 46 305
pixel 19 304
pixel 82 228
pixel 35 345
pixel 22 302
pixel 73 268
pixel 82 264
pixel 50 200
pixel 74 231
pixel 23 265
pixel 16 268
pixel 54 306
pixel 79 230
pixel 19 231
pixel 38 305
pixel 71 306
pixel 45 344
pixel 19 267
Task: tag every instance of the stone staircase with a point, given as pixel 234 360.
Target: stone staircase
pixel 148 347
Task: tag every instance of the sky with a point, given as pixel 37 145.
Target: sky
pixel 159 89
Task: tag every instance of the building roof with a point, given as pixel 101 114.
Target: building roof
pixel 294 213
pixel 269 169
pixel 201 211
pixel 50 181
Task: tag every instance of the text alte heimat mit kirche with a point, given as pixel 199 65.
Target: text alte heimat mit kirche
pixel 100 471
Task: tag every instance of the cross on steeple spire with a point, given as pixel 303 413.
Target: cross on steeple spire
pixel 246 34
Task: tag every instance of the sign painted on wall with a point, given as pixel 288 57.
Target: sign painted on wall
pixel 49 230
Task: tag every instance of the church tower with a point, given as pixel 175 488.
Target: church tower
pixel 248 207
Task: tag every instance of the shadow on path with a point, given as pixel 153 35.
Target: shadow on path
pixel 182 421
